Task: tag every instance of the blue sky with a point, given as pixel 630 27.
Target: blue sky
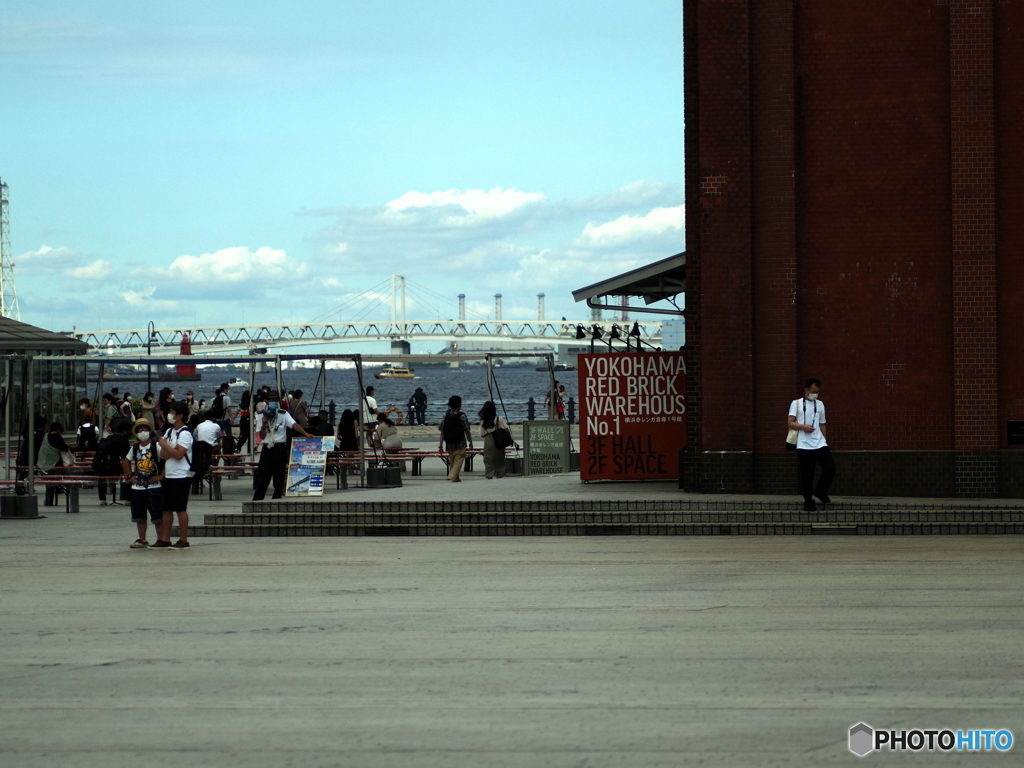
pixel 229 163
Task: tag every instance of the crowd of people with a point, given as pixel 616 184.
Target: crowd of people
pixel 154 451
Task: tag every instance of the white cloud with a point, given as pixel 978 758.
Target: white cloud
pixel 144 300
pixel 46 260
pixel 476 204
pixel 628 228
pixel 97 270
pixel 234 266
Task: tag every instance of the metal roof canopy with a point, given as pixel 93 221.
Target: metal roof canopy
pixel 15 336
pixel 660 281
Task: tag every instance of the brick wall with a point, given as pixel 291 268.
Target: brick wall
pixel 849 221
pixel 1009 89
pixel 724 290
pixel 975 266
pixel 777 374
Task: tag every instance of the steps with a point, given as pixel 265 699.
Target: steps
pixel 610 518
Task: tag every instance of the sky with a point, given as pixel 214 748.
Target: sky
pixel 238 163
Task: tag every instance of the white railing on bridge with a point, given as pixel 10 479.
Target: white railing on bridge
pixel 232 338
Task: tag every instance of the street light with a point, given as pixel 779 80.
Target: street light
pixel 150 333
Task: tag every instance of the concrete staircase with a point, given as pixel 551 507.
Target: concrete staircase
pixel 610 518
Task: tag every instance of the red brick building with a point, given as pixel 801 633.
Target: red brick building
pixel 855 212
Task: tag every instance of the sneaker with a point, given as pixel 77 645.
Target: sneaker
pixel 823 498
pixel 179 544
pixel 103 503
pixel 140 544
pixel 810 506
pixel 161 545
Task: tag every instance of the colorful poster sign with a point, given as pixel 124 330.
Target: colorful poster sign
pixel 632 415
pixel 307 466
pixel 546 447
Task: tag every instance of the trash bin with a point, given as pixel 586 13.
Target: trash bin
pixel 513 465
pixel 19 505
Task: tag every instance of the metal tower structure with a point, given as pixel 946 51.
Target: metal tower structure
pixel 8 291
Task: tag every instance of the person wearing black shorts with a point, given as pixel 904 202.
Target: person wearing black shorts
pixel 176 448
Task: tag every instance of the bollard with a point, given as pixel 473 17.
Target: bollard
pixel 531 409
pixel 571 414
pixel 331 406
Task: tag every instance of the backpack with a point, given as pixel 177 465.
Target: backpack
pixel 216 411
pixel 107 460
pixel 452 429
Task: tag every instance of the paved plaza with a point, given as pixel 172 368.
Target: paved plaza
pixel 570 651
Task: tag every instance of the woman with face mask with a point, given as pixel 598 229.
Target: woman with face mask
pixel 149 410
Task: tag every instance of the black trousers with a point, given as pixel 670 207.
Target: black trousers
pixel 273 466
pixel 807 461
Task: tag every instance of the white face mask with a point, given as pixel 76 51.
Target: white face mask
pixel 171 417
pixel 143 435
pixel 82 407
pixel 812 395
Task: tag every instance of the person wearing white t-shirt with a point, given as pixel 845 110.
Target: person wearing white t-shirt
pixel 807 417
pixel 176 448
pixel 207 437
pixel 274 424
pixel 369 410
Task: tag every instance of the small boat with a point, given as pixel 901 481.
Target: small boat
pixel 233 382
pixel 395 372
pixel 559 367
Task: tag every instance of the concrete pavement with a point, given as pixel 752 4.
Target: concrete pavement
pixel 624 651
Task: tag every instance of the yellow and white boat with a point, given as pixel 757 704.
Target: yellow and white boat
pixel 395 372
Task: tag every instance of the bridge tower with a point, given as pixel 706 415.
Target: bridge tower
pixel 462 307
pixel 497 307
pixel 399 344
pixel 9 306
pixel 540 307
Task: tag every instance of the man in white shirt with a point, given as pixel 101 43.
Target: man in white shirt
pixel 207 437
pixel 274 424
pixel 807 417
pixel 176 448
pixel 369 410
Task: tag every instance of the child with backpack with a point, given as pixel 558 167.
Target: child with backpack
pixel 455 434
pixel 143 467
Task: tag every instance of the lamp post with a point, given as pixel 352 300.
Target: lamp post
pixel 150 332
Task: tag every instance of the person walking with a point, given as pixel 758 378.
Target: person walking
pixel 299 408
pixel 419 404
pixel 807 417
pixel 149 410
pixel 176 448
pixel 456 436
pixel 274 452
pixel 87 429
pixel 494 457
pixel 244 424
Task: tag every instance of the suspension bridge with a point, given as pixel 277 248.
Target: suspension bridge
pixel 398 331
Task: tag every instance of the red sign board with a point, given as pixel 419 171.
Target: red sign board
pixel 632 415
